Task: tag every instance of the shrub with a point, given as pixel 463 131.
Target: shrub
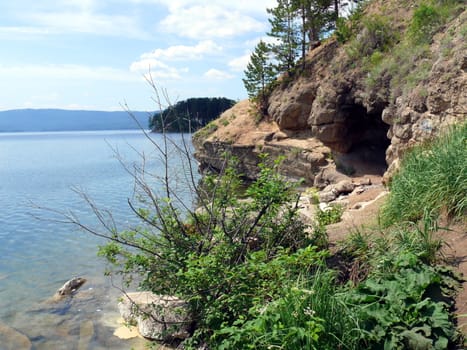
pixel 223 258
pixel 432 179
pixel 425 22
pixel 346 28
pixel 377 34
pixel 343 30
pixel 309 315
pixel 408 308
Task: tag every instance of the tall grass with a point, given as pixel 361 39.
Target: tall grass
pixel 312 314
pixel 432 180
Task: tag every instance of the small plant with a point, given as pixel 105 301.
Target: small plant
pixel 330 215
pixel 206 131
pixel 432 180
pixel 346 28
pixel 425 22
pixel 309 315
pixel 313 194
pixel 408 308
pixel 376 34
pixel 343 30
pixel 295 151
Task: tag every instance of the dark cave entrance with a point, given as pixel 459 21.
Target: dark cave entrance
pixel 367 142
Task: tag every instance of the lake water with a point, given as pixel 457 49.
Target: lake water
pixel 38 256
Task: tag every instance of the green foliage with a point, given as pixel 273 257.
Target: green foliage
pixel 284 29
pixel 347 28
pixel 189 115
pixel 205 131
pixel 425 22
pixel 308 315
pixel 400 71
pixel 432 179
pixel 329 216
pixel 259 74
pixel 406 309
pixel 343 30
pixel 225 257
pixel 377 34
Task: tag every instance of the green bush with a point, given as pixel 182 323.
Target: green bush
pixel 432 180
pixel 223 258
pixel 343 30
pixel 425 22
pixel 408 308
pixel 429 18
pixel 309 315
pixel 329 216
pixel 346 28
pixel 377 34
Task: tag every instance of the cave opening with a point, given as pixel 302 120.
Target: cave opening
pixel 367 142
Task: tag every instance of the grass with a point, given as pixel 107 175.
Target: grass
pixel 432 180
pixel 395 63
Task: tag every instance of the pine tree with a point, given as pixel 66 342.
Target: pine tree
pixel 319 19
pixel 258 74
pixel 284 28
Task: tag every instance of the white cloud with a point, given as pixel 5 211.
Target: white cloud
pixel 239 64
pixel 87 22
pixel 65 72
pixel 217 74
pixel 246 6
pixel 183 52
pixel 18 32
pixel 210 21
pixel 157 69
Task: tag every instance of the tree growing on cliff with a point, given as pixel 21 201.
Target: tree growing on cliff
pixel 285 31
pixel 259 74
pixel 315 18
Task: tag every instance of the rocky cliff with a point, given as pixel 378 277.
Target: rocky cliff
pixel 359 103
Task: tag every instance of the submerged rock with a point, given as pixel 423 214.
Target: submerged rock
pixel 86 333
pixel 69 288
pixel 11 339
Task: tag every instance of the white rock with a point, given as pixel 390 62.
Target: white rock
pixel 157 317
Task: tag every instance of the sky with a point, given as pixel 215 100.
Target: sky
pixel 99 54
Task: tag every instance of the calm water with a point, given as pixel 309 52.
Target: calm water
pixel 38 256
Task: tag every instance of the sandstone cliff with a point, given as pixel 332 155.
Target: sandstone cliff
pixel 357 106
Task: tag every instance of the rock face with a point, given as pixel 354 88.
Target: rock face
pixel 157 317
pixel 343 113
pixel 333 104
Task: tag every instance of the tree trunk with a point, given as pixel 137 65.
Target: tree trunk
pixel 336 9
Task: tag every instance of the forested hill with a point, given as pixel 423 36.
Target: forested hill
pixel 190 115
pixel 34 120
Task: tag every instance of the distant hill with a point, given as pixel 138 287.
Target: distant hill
pixel 69 120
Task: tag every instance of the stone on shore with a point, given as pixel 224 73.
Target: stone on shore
pixel 157 317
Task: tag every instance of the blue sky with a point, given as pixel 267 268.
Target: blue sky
pixel 94 54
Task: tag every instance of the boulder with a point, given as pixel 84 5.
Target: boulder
pixel 71 286
pixel 344 186
pixel 328 196
pixel 329 175
pixel 157 317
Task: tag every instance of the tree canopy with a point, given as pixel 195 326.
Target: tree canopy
pixel 296 27
pixel 189 115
